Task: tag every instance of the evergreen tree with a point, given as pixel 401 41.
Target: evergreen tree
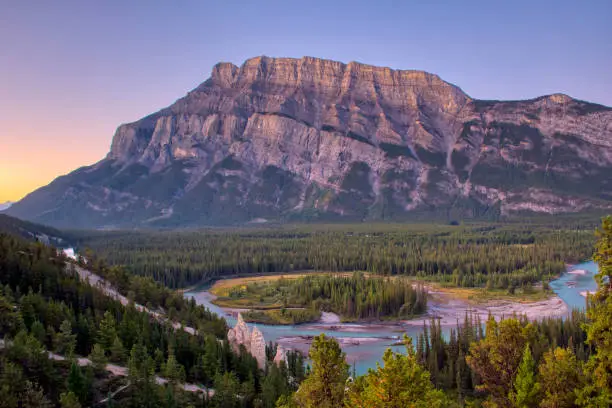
pixel 227 388
pixel 34 397
pixel 107 331
pixel 274 385
pixel 65 341
pixel 496 358
pixel 76 382
pixel 560 376
pixel 324 387
pixel 98 358
pixel 399 382
pixel 525 392
pixel 69 400
pixel 141 376
pixel 10 319
pixel 172 370
pixel 598 389
pixel 117 351
pixel 39 332
pixel 11 384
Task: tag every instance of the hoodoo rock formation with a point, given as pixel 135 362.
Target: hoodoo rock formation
pixel 302 139
pixel 252 340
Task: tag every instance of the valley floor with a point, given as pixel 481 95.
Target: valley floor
pixel 447 304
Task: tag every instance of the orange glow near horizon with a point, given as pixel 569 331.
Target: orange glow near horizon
pixel 31 157
pixel 21 174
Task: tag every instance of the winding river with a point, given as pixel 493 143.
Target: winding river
pixel 365 344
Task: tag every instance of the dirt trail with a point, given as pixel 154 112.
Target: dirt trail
pixel 109 290
pixel 120 371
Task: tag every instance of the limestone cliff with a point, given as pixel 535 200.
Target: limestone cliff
pixel 283 138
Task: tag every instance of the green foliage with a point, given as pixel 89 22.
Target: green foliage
pixel 117 351
pixel 172 370
pixel 65 341
pixel 79 318
pixel 324 387
pixel 352 297
pixel 98 358
pixel 399 382
pixel 107 332
pixel 76 383
pixel 525 392
pixel 598 389
pixel 496 358
pixel 10 319
pixel 69 400
pixel 34 397
pixel 560 376
pixel 501 255
pixel 281 316
pixel 226 391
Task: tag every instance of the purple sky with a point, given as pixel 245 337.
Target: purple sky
pixel 71 71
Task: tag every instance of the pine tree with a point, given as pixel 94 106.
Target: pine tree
pixel 560 375
pixel 34 397
pixel 496 358
pixel 525 391
pixel 107 331
pixel 399 382
pixel 76 382
pixel 117 352
pixel 69 400
pixel 38 331
pixel 172 370
pixel 65 341
pixel 324 387
pixel 227 388
pixel 598 389
pixel 98 358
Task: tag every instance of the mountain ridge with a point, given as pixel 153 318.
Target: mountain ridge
pixel 307 138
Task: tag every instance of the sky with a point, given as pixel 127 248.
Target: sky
pixel 72 71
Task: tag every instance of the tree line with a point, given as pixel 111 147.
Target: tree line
pixel 493 255
pixel 357 296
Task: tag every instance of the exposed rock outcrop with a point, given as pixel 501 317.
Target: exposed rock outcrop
pixel 283 138
pixel 281 355
pixel 252 340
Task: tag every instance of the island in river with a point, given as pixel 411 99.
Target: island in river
pixel 301 298
pixel 365 342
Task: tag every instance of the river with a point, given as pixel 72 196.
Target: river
pixel 365 344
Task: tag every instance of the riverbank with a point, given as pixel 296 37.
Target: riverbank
pixel 300 298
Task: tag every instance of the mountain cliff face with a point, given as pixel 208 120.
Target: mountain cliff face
pixel 281 139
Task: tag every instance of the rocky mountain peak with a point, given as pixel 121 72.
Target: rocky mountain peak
pixel 309 138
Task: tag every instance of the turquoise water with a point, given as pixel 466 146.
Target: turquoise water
pixel 365 356
pixel 569 286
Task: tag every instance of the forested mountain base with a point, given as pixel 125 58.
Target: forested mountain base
pixel 44 306
pixel 493 255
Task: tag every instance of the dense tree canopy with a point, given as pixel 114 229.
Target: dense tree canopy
pixel 495 255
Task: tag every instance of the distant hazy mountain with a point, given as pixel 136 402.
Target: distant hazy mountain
pixel 4 206
pixel 31 231
pixel 296 139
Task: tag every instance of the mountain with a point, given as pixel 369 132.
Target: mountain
pixel 301 139
pixel 5 205
pixel 33 232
